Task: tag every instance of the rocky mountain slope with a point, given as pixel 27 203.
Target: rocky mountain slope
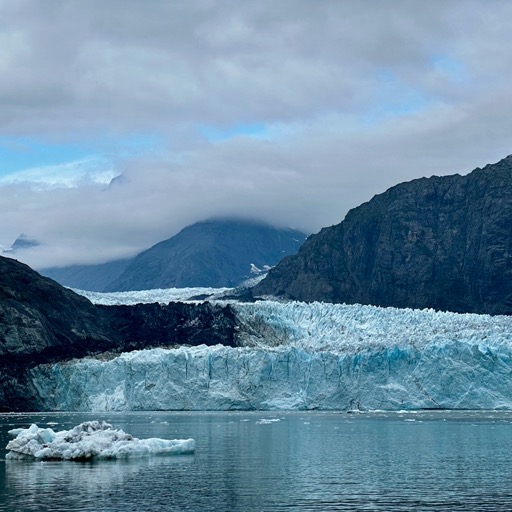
pixel 216 253
pixel 213 253
pixel 87 277
pixel 40 321
pixel 439 242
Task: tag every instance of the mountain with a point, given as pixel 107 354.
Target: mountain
pixel 23 242
pixel 42 322
pixel 439 242
pixel 212 253
pixel 87 277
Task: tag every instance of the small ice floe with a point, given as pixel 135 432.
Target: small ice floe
pixel 89 440
pixel 267 421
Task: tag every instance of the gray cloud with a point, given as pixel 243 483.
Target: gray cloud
pixel 351 98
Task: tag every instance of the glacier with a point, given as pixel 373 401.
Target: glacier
pixel 294 355
pixel 161 295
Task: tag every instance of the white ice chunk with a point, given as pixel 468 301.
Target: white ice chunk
pixel 88 440
pixel 267 421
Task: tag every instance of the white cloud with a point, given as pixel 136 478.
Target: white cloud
pixel 351 98
pixel 89 171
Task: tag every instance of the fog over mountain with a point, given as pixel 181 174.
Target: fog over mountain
pixel 215 252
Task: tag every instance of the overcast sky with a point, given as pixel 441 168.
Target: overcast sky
pixel 289 111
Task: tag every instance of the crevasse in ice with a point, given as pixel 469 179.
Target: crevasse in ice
pixel 305 356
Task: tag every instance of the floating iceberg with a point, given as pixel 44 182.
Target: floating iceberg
pixel 89 440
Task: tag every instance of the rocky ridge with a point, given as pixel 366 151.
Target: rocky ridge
pixel 439 242
pixel 42 322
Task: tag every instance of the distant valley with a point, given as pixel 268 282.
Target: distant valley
pixel 212 253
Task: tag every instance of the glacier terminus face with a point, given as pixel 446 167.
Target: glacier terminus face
pixel 304 356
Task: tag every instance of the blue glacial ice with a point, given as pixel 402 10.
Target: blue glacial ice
pixel 89 440
pixel 305 356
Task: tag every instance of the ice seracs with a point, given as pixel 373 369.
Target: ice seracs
pixel 89 440
pixel 452 375
pixel 304 356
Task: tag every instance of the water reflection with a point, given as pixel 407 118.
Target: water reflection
pixel 67 485
pixel 305 461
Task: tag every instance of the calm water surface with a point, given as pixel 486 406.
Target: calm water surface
pixel 306 461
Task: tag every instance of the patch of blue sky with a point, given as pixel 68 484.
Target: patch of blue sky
pixel 93 170
pixel 393 98
pixel 23 153
pixel 20 153
pixel 220 134
pixel 453 68
pixel 134 144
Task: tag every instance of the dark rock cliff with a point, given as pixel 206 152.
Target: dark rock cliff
pixel 40 322
pixel 439 242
